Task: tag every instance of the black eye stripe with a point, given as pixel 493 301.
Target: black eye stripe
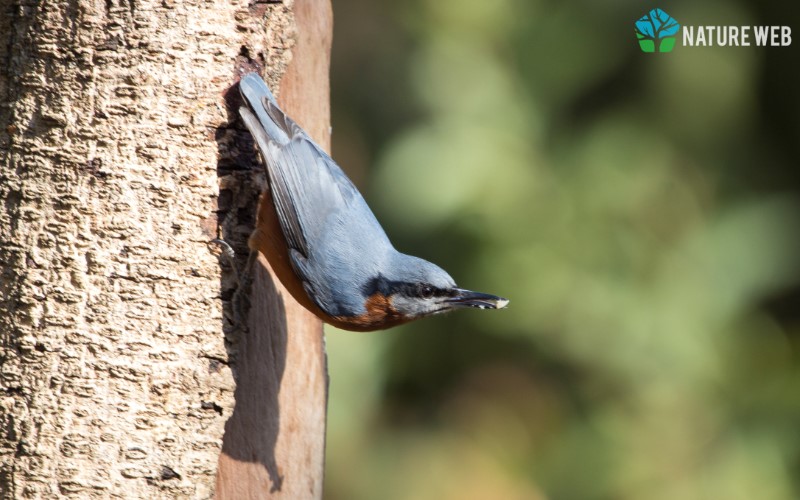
pixel 421 290
pixel 428 291
pixel 387 287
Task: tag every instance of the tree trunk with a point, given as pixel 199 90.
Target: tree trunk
pixel 119 336
pixel 275 440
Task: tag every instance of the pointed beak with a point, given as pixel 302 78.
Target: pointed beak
pixel 467 298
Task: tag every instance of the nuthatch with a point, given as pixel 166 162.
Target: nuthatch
pixel 330 252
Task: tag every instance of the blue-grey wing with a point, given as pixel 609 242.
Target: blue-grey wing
pixel 307 185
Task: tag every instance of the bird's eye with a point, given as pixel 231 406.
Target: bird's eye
pixel 426 291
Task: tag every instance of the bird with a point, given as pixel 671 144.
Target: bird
pixel 327 247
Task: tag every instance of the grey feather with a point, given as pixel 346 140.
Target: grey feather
pixel 254 89
pixel 323 216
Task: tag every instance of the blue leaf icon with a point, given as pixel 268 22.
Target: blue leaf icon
pixel 655 29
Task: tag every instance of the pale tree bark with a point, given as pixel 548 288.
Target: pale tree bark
pixel 121 344
pixel 274 443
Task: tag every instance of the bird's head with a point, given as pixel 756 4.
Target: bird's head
pixel 418 288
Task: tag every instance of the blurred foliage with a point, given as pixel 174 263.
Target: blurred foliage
pixel 639 210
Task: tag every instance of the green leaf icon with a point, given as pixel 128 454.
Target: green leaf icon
pixel 666 45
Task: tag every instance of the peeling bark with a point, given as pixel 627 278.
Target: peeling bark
pixel 275 440
pixel 118 340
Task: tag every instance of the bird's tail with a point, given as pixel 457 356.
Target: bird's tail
pixel 258 97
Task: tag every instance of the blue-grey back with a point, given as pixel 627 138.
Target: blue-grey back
pixel 335 241
pixel 344 239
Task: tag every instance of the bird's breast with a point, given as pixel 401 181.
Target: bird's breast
pixel 380 314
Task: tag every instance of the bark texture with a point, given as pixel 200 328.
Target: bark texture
pixel 274 442
pixel 115 325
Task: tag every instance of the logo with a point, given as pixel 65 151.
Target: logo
pixel 656 30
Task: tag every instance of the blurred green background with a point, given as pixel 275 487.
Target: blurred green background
pixel 639 210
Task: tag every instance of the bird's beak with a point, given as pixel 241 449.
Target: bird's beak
pixel 467 298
